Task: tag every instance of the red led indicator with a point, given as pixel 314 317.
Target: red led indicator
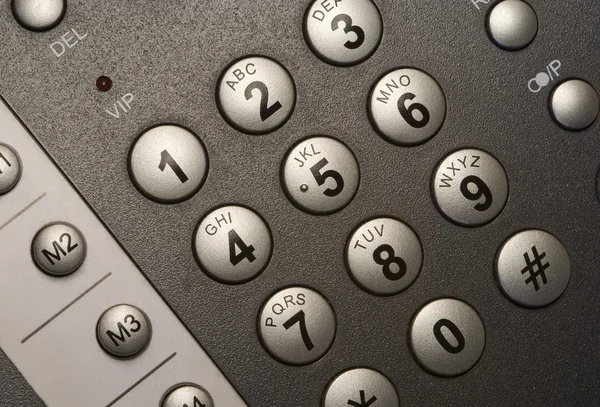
pixel 104 84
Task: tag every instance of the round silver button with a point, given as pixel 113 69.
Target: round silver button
pixel 320 175
pixel 575 104
pixel 187 395
pixel 168 163
pixel 123 331
pixel 256 95
pixel 361 387
pixel 233 244
pixel 58 249
pixel 39 15
pixel 297 326
pixel 10 169
pixel 407 107
pixel 470 187
pixel 343 32
pixel 512 24
pixel 447 337
pixel 533 268
pixel 384 256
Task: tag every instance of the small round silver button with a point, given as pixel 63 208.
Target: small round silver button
pixel 168 163
pixel 343 33
pixel 447 337
pixel 361 387
pixel 575 104
pixel 58 249
pixel 10 169
pixel 256 95
pixel 123 331
pixel 320 175
pixel 470 187
pixel 384 256
pixel 39 15
pixel 233 244
pixel 512 24
pixel 297 326
pixel 407 107
pixel 533 268
pixel 187 395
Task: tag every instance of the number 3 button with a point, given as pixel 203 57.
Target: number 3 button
pixel 320 175
pixel 233 244
pixel 470 187
pixel 168 164
pixel 343 32
pixel 256 95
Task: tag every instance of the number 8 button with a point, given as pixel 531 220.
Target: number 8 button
pixel 320 175
pixel 470 187
pixel 407 107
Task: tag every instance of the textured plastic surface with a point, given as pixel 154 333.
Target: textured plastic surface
pixel 169 55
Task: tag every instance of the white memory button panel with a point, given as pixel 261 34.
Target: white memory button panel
pixel 48 324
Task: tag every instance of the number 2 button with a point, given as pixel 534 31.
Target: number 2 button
pixel 297 325
pixel 256 95
pixel 345 32
pixel 320 175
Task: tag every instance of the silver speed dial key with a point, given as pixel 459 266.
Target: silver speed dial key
pixel 123 331
pixel 187 395
pixel 10 169
pixel 59 249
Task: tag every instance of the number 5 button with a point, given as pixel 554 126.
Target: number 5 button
pixel 297 325
pixel 407 107
pixel 256 95
pixel 320 175
pixel 343 32
pixel 168 163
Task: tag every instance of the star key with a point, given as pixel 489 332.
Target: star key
pixel 363 401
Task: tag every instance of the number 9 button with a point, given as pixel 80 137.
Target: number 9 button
pixel 470 187
pixel 407 107
pixel 233 244
pixel 297 325
pixel 447 337
pixel 384 256
pixel 343 32
pixel 256 95
pixel 320 175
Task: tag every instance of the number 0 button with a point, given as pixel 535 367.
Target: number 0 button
pixel 320 175
pixel 447 337
pixel 233 244
pixel 297 326
pixel 343 33
pixel 168 163
pixel 470 187
pixel 407 107
pixel 123 331
pixel 256 95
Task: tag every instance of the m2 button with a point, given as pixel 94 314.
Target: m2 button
pixel 345 32
pixel 320 175
pixel 233 244
pixel 384 256
pixel 256 95
pixel 58 249
pixel 407 107
pixel 123 331
pixel 470 187
pixel 297 326
pixel 447 337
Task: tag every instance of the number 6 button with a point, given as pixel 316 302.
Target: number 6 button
pixel 320 175
pixel 297 325
pixel 343 32
pixel 470 187
pixel 407 107
pixel 256 95
pixel 168 163
pixel 447 337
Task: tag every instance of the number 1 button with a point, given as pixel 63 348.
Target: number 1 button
pixel 256 95
pixel 168 163
pixel 297 326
